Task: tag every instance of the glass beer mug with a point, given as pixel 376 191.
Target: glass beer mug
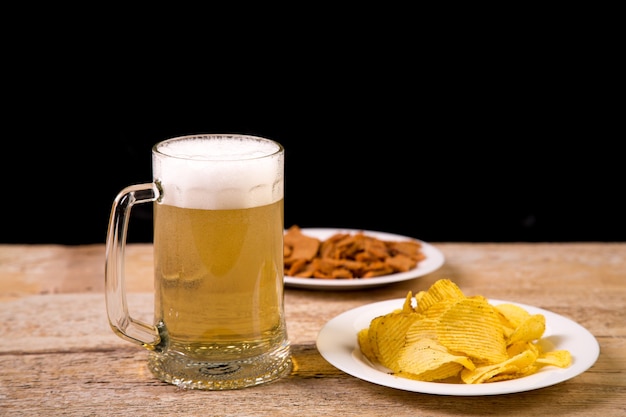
pixel 218 262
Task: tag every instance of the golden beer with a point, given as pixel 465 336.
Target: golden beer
pixel 219 280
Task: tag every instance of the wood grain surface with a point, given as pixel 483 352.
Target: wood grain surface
pixel 58 355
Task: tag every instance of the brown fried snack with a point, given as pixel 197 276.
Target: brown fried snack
pixel 347 256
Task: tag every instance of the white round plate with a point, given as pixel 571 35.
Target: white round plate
pixel 434 260
pixel 337 343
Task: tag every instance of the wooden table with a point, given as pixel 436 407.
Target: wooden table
pixel 58 355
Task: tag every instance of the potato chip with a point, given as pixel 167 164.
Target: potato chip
pixel 442 289
pixel 512 315
pixel 427 360
pixel 518 347
pixel 529 370
pixel 407 307
pixel 424 328
pixel 530 329
pixel 364 344
pixel 510 366
pixel 445 371
pixel 387 335
pixel 560 358
pixel 449 337
pixel 473 328
pixel 436 310
pixel 418 297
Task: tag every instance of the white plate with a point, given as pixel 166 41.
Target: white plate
pixel 434 260
pixel 337 343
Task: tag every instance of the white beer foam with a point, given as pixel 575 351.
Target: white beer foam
pixel 223 172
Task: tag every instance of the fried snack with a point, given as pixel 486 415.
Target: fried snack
pixel 471 326
pixel 347 256
pixel 449 337
pixel 428 360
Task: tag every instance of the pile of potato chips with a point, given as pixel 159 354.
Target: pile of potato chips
pixel 448 337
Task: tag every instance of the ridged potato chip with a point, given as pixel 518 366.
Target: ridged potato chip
pixel 365 345
pixel 509 366
pixel 512 315
pixel 425 328
pixel 442 289
pixel 472 327
pixel 427 360
pixel 560 358
pixel 528 330
pixel 449 337
pixel 387 336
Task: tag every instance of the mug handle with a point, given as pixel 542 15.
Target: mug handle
pixel 120 320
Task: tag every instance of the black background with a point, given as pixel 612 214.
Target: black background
pixel 471 139
pixel 436 175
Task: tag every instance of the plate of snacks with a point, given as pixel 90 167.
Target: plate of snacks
pixel 340 259
pixel 443 342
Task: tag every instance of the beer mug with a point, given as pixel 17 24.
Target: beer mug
pixel 219 318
